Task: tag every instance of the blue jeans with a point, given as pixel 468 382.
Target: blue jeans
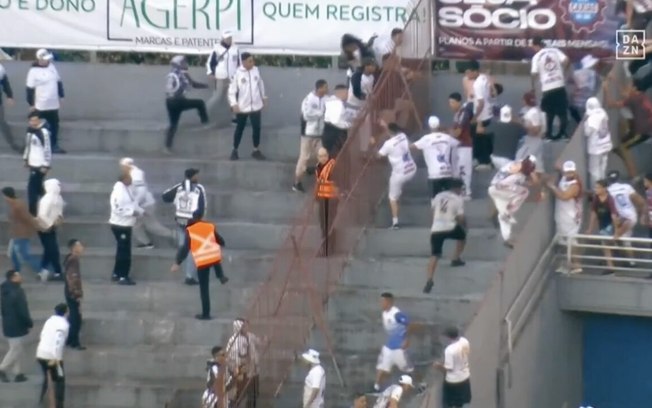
pixel 189 264
pixel 19 250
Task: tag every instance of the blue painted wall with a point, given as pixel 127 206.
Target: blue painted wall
pixel 617 361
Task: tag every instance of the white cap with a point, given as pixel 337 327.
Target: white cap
pixel 126 161
pixel 227 34
pixel 433 122
pixel 589 61
pixel 506 114
pixel 406 380
pixel 44 55
pixel 177 60
pixel 311 356
pixel 569 165
pixel 532 159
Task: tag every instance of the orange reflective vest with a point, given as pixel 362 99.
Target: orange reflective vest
pixel 325 187
pixel 203 246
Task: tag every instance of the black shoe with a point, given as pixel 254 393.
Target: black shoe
pixel 204 121
pixel 234 155
pixel 202 317
pixel 3 377
pixel 78 347
pixel 298 187
pixel 20 378
pixel 258 155
pixel 428 287
pixel 191 281
pixel 126 282
pixel 145 246
pixel 223 280
pixel 58 150
pixel 56 278
pixel 457 262
pixel 114 278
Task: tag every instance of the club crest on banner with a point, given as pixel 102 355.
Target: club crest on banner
pixel 583 15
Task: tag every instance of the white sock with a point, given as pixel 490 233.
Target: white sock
pixel 376 387
pixel 394 220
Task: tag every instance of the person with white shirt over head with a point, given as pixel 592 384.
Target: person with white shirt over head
pixel 457 382
pixel 448 222
pixel 483 112
pixel 124 215
pixel 49 217
pixel 247 98
pixel 38 159
pixel 221 66
pixel 629 205
pixel 49 355
pixel 313 110
pixel 148 222
pixel 315 382
pixel 599 144
pixel 440 153
pixel 45 93
pixel 397 151
pixel 549 65
pixel 391 397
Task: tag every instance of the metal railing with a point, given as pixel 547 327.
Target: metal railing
pixel 631 256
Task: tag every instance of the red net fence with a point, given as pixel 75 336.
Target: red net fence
pixel 291 302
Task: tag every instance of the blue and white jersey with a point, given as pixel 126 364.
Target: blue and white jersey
pixel 395 323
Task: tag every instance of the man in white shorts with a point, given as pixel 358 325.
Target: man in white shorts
pixel 509 189
pixel 440 153
pixel 393 394
pixel 599 144
pixel 629 204
pixel 394 352
pixel 534 121
pixel 397 151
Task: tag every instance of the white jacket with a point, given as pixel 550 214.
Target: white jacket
pixel 143 196
pixel 223 62
pixel 38 150
pixel 313 109
pixel 50 206
pixel 247 90
pixel 124 207
pixel 53 338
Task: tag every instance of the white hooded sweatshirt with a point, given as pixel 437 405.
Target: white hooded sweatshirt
pixel 53 338
pixel 124 206
pixel 50 207
pixel 247 90
pixel 596 128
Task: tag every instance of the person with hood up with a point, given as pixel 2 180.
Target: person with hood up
pixel 247 98
pixel 16 324
pixel 599 144
pixel 49 218
pixel 221 66
pixel 124 215
pixel 45 93
pixel 242 349
pixel 178 85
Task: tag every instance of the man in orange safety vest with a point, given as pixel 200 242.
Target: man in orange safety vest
pixel 326 194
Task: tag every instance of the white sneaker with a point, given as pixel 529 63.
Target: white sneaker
pixel 44 274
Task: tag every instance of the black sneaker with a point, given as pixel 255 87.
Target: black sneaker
pixel 457 262
pixel 20 378
pixel 234 155
pixel 202 317
pixel 428 287
pixel 191 281
pixel 56 278
pixel 114 278
pixel 3 377
pixel 258 155
pixel 145 246
pixel 223 280
pixel 126 282
pixel 298 187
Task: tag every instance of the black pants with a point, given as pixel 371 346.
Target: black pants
pixel 438 185
pixel 51 256
pixel 333 139
pixel 576 113
pixel 483 143
pixel 204 292
pixel 52 117
pixel 327 213
pixel 59 382
pixel 35 189
pixel 241 122
pixel 122 263
pixel 555 104
pixel 75 320
pixel 175 107
pixel 5 129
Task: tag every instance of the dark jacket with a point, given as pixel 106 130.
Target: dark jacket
pixel 72 272
pixel 16 320
pixel 5 86
pixel 183 251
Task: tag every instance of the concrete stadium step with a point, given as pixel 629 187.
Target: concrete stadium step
pixel 416 211
pixel 147 137
pixel 226 300
pixel 83 168
pixel 95 232
pixel 88 199
pixel 241 266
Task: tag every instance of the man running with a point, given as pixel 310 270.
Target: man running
pixel 629 205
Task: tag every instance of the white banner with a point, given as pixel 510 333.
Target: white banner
pixel 311 27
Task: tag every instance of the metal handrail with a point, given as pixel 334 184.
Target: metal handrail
pixel 581 249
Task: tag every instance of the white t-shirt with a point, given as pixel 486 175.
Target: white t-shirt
pixel 446 207
pixel 508 176
pixel 535 117
pixel 383 45
pixel 482 92
pixel 596 129
pixel 45 82
pixel 456 361
pixel 440 153
pixel 397 151
pixel 393 392
pixel 316 378
pixel 548 63
pixel 622 195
